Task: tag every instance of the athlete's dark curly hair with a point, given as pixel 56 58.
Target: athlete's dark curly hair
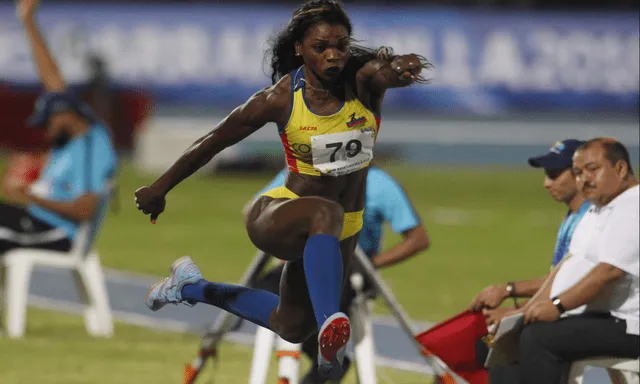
pixel 282 50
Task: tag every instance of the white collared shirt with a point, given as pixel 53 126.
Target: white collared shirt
pixel 609 234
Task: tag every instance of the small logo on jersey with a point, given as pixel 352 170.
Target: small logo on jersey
pixel 356 122
pixel 308 128
pixel 302 149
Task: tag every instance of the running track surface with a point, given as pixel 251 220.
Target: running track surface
pixel 54 289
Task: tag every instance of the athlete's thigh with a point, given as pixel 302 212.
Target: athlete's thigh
pixel 281 226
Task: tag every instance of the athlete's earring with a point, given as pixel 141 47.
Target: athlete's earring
pixel 297 53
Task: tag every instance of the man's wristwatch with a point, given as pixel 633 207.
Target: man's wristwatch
pixel 511 289
pixel 556 301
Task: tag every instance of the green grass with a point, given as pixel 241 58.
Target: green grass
pixel 57 350
pixel 486 226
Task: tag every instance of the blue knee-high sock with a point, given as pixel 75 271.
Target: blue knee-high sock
pixel 323 270
pixel 254 305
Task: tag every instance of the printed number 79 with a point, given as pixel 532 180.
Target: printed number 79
pixel 352 148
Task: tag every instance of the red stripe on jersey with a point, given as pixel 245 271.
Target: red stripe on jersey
pixel 291 160
pixel 377 126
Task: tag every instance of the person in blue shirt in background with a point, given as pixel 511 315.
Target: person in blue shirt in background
pixel 385 201
pixel 561 185
pixel 74 185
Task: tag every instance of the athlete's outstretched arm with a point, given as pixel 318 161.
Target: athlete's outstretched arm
pixel 262 108
pixel 47 68
pixel 267 105
pixel 392 72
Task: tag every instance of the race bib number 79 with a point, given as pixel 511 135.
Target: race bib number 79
pixel 341 153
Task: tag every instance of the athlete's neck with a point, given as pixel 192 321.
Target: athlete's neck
pixel 322 87
pixel 575 203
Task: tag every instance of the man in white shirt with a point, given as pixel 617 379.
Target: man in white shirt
pixel 590 306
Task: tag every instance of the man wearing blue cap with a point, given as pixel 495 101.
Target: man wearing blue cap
pixel 561 185
pixel 73 187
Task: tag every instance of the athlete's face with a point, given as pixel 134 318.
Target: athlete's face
pixel 325 49
pixel 560 184
pixel 597 178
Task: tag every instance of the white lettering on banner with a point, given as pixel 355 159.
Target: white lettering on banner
pixel 110 41
pixel 539 59
pixel 403 41
pixel 190 55
pixel 617 78
pixel 501 63
pixel 542 70
pixel 583 62
pixel 186 53
pixel 615 63
pixel 454 67
pixel 238 59
pixel 579 62
pixel 15 60
pixel 70 48
pixel 152 48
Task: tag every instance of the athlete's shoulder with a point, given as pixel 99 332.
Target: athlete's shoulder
pixel 270 104
pixel 273 94
pixel 280 91
pixel 279 94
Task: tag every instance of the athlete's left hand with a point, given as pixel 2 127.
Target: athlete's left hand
pixel 407 67
pixel 541 311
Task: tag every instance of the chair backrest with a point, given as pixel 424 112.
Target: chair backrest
pixel 88 231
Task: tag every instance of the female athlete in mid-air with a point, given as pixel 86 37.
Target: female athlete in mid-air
pixel 326 100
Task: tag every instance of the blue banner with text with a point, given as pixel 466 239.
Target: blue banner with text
pixel 486 62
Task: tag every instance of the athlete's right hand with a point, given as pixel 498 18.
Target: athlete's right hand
pixel 151 201
pixel 26 9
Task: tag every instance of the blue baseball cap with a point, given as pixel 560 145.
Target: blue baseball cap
pixel 560 155
pixel 55 102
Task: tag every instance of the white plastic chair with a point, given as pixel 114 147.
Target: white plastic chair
pixel 621 371
pixel 17 267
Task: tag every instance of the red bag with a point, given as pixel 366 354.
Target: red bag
pixel 454 341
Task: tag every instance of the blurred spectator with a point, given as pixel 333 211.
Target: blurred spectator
pixel 590 304
pixel 561 185
pixel 74 185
